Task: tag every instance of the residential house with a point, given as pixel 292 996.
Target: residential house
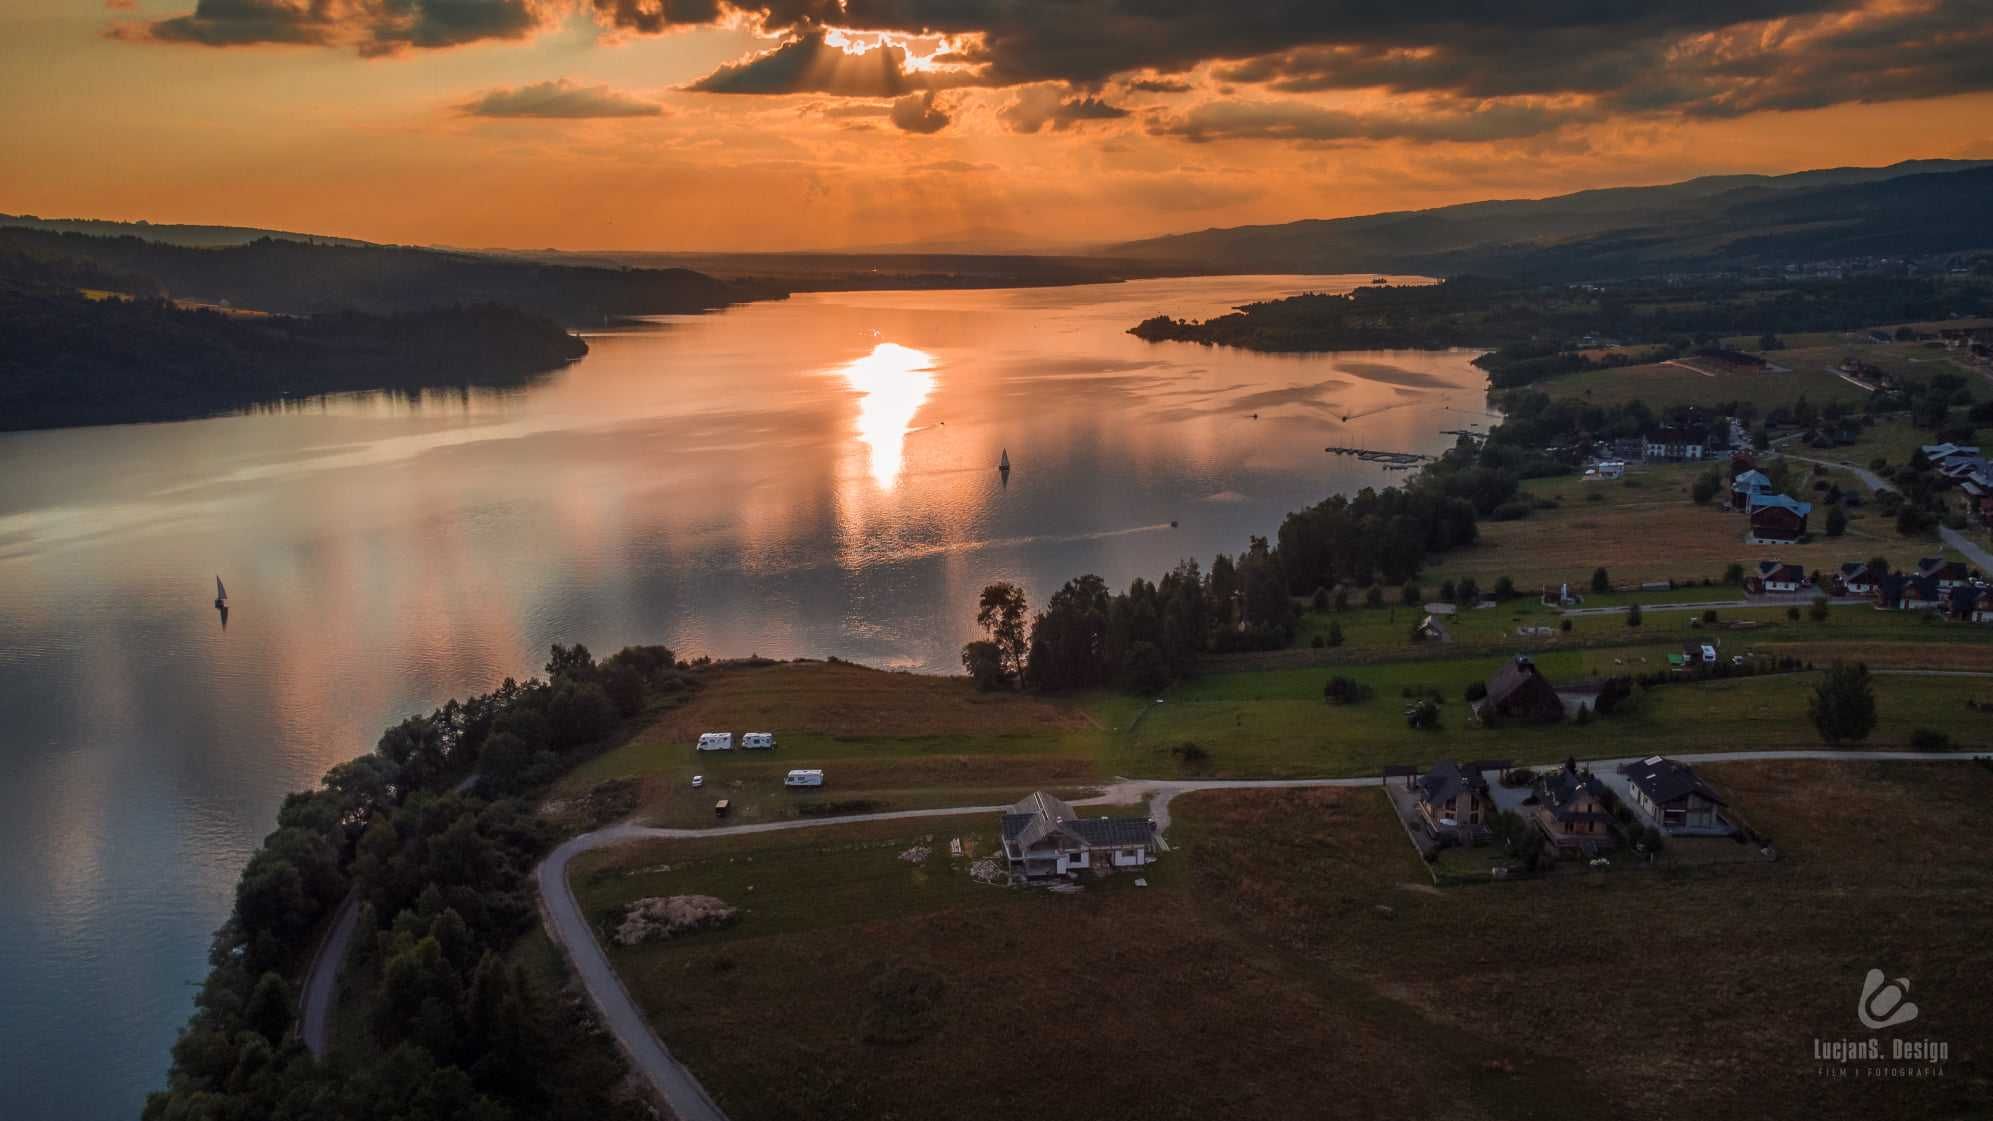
pixel 1574 810
pixel 1043 837
pixel 1677 801
pixel 1777 519
pixel 1900 592
pixel 1454 803
pixel 1981 609
pixel 1775 576
pixel 1948 574
pixel 1747 483
pixel 1854 579
pixel 1629 448
pixel 1938 453
pixel 1673 444
pixel 1519 691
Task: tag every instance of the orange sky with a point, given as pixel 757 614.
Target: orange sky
pixel 573 124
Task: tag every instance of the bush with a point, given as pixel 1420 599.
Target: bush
pixel 1510 512
pixel 1705 488
pixel 1929 739
pixel 1709 615
pixel 1837 521
pixel 1734 574
pixel 1340 690
pixel 1335 633
pixel 1476 691
pixel 1412 595
pixel 1819 609
pixel 1191 756
pixel 1564 625
pixel 1423 715
pixel 1317 642
pixel 1600 581
pixel 1633 618
pixel 1792 614
pixel 1374 596
pixel 1505 588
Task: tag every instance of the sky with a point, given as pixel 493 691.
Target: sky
pixel 700 125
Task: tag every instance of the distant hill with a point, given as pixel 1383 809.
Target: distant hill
pixel 1713 222
pixel 305 278
pixel 193 237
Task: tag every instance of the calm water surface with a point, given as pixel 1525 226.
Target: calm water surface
pixel 808 477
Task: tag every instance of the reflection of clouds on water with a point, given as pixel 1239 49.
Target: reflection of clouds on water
pixel 1394 375
pixel 1224 496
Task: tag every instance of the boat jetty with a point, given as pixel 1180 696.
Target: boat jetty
pixel 1369 455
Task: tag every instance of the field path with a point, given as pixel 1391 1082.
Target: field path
pixel 677 1086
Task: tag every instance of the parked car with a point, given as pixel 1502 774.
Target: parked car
pixel 698 781
pixel 757 741
pixel 804 778
pixel 716 741
pixel 1708 654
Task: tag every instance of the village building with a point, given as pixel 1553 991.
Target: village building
pixel 1777 519
pixel 1574 810
pixel 1776 576
pixel 1900 592
pixel 1674 798
pixel 1747 483
pixel 1854 579
pixel 1949 574
pixel 1673 444
pixel 1043 837
pixel 1454 803
pixel 1519 691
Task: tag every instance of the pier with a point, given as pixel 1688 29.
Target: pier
pixel 1369 455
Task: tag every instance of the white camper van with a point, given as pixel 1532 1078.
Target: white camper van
pixel 804 778
pixel 757 741
pixel 716 741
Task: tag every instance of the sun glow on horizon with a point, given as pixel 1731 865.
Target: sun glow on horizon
pixel 893 382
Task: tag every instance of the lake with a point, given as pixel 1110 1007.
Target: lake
pixel 807 477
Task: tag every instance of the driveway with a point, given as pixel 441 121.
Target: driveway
pixel 677 1086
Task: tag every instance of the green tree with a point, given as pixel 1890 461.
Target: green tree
pixel 1001 611
pixel 1633 616
pixel 1818 610
pixel 984 662
pixel 1335 633
pixel 1843 704
pixel 269 1009
pixel 1705 488
pixel 1600 581
pixel 1734 574
pixel 1837 520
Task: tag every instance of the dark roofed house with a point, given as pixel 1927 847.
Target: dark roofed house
pixel 1574 810
pixel 1775 576
pixel 1777 518
pixel 1747 483
pixel 1949 574
pixel 1674 798
pixel 1519 691
pixel 1854 579
pixel 1454 803
pixel 1043 836
pixel 1897 592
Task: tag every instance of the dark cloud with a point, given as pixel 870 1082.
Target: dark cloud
pixel 561 100
pixel 1037 106
pixel 810 64
pixel 1243 119
pixel 1157 85
pixel 371 26
pixel 917 112
pixel 652 16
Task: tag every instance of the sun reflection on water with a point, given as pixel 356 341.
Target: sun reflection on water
pixel 892 382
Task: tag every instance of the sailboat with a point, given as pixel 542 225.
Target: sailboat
pixel 1003 464
pixel 221 595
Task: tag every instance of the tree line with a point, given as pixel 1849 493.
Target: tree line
pixel 441 875
pixel 1088 635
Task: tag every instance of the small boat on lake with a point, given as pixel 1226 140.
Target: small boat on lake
pixel 221 595
pixel 1003 463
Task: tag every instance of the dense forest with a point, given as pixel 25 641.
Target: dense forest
pixel 1535 331
pixel 300 278
pixel 67 358
pixel 1088 635
pixel 456 1027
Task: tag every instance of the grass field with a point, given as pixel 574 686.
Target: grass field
pixel 894 740
pixel 1275 723
pixel 1661 385
pixel 1290 960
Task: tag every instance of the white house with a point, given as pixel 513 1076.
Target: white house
pixel 1043 837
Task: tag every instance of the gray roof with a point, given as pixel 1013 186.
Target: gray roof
pixel 1041 817
pixel 1448 779
pixel 1564 786
pixel 1664 780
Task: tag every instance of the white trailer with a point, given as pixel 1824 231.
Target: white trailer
pixel 716 741
pixel 757 741
pixel 810 777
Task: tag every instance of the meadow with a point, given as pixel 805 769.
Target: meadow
pixel 1288 958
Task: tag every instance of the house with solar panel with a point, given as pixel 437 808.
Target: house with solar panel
pixel 1044 837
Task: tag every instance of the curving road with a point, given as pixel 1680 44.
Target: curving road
pixel 677 1086
pixel 1973 551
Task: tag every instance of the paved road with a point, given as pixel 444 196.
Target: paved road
pixel 682 1092
pixel 1974 552
pixel 321 977
pixel 1874 482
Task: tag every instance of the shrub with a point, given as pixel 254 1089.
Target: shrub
pixel 1374 596
pixel 1423 715
pixel 1819 609
pixel 1600 581
pixel 1340 690
pixel 1476 691
pixel 1930 739
pixel 1467 590
pixel 1317 642
pixel 1412 595
pixel 1191 756
pixel 1709 615
pixel 1792 613
pixel 1633 618
pixel 1505 588
pixel 1837 521
pixel 1335 633
pixel 1510 512
pixel 1734 574
pixel 1564 625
